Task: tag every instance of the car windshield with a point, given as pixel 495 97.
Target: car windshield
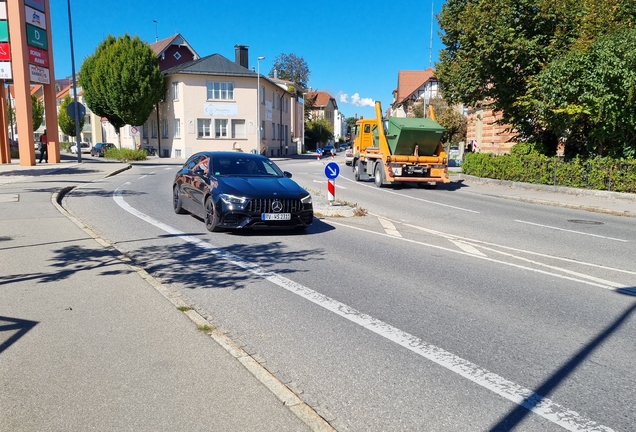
pixel 244 166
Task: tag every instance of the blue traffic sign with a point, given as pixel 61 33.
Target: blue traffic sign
pixel 332 170
pixel 319 150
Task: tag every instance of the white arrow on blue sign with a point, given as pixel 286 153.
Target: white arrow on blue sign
pixel 332 170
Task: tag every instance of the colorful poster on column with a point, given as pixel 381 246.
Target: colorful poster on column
pixel 5 51
pixel 4 31
pixel 5 70
pixel 38 4
pixel 3 10
pixel 35 17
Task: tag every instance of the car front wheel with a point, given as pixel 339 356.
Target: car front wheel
pixel 211 216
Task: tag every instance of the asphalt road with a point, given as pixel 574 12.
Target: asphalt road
pixel 439 310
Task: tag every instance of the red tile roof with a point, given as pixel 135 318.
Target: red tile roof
pixel 321 99
pixel 411 80
pixel 161 45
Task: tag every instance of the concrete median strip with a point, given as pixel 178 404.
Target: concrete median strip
pixel 291 400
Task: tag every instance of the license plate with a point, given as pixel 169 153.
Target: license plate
pixel 275 216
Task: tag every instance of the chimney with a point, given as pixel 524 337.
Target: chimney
pixel 240 53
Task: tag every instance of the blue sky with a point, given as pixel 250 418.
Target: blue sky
pixel 352 48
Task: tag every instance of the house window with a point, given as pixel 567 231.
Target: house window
pixel 145 130
pixel 177 55
pixel 203 128
pixel 177 128
pixel 238 129
pixel 263 95
pixel 164 128
pixel 220 90
pixel 273 130
pixel 154 129
pixel 175 90
pixel 220 128
pixel 263 132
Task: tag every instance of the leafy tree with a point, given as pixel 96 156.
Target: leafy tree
pixel 123 81
pixel 37 112
pixel 495 50
pixel 89 80
pixel 131 79
pixel 308 106
pixel 66 122
pixel 319 130
pixel 589 97
pixel 292 68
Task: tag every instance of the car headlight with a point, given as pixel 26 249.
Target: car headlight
pixel 306 199
pixel 233 201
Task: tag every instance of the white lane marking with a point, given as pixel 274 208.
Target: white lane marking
pixel 410 197
pixel 468 248
pixel 389 228
pixel 572 231
pixel 560 276
pixel 552 257
pixel 546 408
pixel 572 272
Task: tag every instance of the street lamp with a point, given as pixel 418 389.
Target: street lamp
pixel 258 106
pixel 302 148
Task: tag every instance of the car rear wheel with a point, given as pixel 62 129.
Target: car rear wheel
pixel 176 200
pixel 211 216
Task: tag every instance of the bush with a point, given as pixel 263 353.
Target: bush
pixel 524 164
pixel 125 154
pixel 66 146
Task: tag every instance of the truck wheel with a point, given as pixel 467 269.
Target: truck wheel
pixel 379 175
pixel 356 170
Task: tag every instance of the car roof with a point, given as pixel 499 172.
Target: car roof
pixel 230 154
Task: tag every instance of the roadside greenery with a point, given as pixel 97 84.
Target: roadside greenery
pixel 37 112
pixel 64 121
pixel 526 164
pixel 318 131
pixel 125 154
pixel 557 71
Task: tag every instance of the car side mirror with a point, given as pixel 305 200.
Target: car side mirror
pixel 287 174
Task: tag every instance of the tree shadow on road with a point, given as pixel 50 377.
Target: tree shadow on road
pixel 514 417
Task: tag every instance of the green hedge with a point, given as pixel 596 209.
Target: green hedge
pixel 125 154
pixel 601 173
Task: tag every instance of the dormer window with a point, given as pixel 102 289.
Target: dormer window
pixel 177 55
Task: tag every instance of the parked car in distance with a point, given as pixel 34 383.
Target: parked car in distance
pixel 348 156
pixel 86 148
pixel 99 149
pixel 231 190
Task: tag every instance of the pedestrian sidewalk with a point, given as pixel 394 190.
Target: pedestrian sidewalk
pixel 90 342
pixel 614 203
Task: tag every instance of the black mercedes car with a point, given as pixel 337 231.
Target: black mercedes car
pixel 232 190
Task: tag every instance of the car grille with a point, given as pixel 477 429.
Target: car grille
pixel 265 206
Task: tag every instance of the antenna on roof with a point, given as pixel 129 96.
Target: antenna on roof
pixel 156 30
pixel 430 58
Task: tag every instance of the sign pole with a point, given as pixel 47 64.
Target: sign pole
pixel 331 190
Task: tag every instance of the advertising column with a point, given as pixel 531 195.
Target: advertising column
pixel 5 74
pixel 32 62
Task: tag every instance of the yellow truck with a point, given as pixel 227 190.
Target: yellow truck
pixel 398 150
